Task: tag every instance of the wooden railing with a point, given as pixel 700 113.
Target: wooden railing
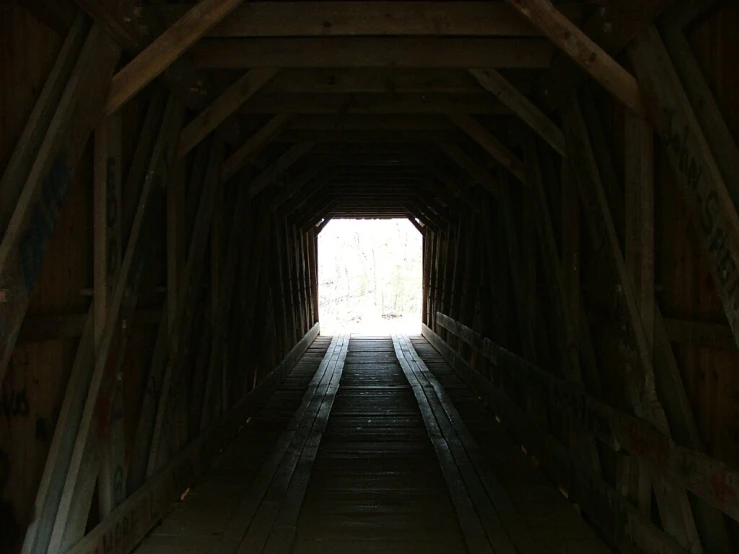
pixel 706 477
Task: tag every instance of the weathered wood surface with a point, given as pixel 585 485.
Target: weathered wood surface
pixel 706 194
pixel 134 30
pixel 446 52
pixel 622 524
pixel 708 478
pixel 79 484
pixel 512 477
pixel 133 519
pixel 583 51
pixel 19 164
pixel 46 184
pixel 356 464
pixel 612 27
pixel 265 19
pixel 222 107
pixel 519 104
pixel 166 49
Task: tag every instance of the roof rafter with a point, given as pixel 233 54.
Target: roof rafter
pixel 569 38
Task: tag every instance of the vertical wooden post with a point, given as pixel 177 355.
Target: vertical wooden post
pixel 71 518
pixel 108 240
pixel 176 236
pixel 674 507
pixel 639 257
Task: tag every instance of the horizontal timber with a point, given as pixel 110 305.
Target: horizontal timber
pixel 284 19
pixel 628 529
pixel 481 103
pixel 706 477
pixel 531 53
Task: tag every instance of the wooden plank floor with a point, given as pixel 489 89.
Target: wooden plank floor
pixel 374 445
pixel 377 485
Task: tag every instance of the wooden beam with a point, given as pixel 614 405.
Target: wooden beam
pixel 166 49
pixel 79 484
pixel 611 513
pixel 673 502
pixel 143 509
pixel 183 313
pixel 288 159
pixel 320 19
pixel 221 108
pixel 233 164
pixel 566 36
pixel 612 427
pixel 41 328
pixel 135 29
pixel 680 13
pixel 377 80
pixel 639 238
pixel 475 170
pixel 417 224
pixel 45 188
pixel 51 486
pixel 613 26
pixel 372 52
pixel 343 104
pixel 515 101
pixel 490 144
pixel 107 248
pixel 569 348
pixel 29 142
pixel 706 195
pixel 700 333
pixel 371 137
pixel 303 195
pixel 58 15
pixel 364 122
pixel 714 126
pixel 639 260
pixel 321 225
pixel 293 186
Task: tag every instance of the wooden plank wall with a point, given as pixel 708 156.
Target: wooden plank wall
pixel 253 338
pixel 514 305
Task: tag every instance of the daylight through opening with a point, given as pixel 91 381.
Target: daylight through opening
pixel 369 275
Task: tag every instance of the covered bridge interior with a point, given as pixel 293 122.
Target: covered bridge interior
pixel 166 170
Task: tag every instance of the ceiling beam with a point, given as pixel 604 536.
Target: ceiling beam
pixel 321 19
pixel 278 167
pixel 293 186
pixel 166 49
pixel 364 122
pixel 613 26
pixel 222 107
pixel 422 52
pixel 371 137
pixel 514 100
pixel 378 80
pixel 490 144
pixel 342 104
pixel 254 143
pixel 134 31
pixel 569 38
pixel 475 170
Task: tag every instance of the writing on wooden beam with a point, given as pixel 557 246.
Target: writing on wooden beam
pixel 705 193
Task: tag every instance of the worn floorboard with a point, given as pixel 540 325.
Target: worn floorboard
pixel 373 445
